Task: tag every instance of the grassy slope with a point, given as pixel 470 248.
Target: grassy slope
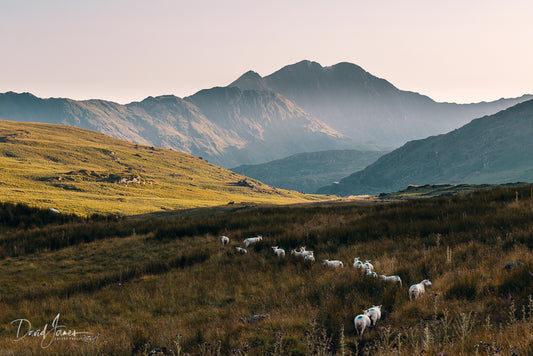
pixel 138 282
pixel 76 171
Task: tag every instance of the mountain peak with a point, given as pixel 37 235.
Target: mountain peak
pixel 250 81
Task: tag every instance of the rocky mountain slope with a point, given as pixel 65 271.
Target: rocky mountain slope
pixel 364 107
pixel 227 126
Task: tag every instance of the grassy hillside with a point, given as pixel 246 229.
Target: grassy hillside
pixel 141 283
pixel 306 172
pixel 84 172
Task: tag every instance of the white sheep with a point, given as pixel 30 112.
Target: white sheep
pixel 368 266
pixel 396 279
pixel 373 274
pixel 301 253
pixel 278 251
pixel 240 249
pixel 224 240
pixel 252 240
pixel 417 290
pixel 361 323
pixel 357 264
pixel 307 253
pixel 373 313
pixel 310 258
pixel 333 264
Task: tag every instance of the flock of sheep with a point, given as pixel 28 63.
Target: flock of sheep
pixel 370 316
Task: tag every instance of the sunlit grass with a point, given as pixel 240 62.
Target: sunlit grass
pixel 79 171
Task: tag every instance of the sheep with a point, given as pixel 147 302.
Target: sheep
pixel 417 290
pixel 357 264
pixel 224 240
pixel 278 251
pixel 296 253
pixel 396 279
pixel 361 321
pixel 373 274
pixel 53 210
pixel 240 249
pixel 301 253
pixel 252 240
pixel 373 313
pixel 333 264
pixel 306 253
pixel 368 266
pixel 310 258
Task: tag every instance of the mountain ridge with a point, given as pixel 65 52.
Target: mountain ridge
pixel 368 108
pixel 491 149
pixel 171 122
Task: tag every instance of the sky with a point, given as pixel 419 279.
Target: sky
pixel 126 50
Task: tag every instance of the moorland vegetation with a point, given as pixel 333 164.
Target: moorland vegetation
pixel 147 282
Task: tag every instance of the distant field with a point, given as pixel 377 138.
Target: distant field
pixel 163 281
pixel 84 172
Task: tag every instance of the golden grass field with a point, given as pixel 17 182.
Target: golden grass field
pixel 164 281
pixel 79 171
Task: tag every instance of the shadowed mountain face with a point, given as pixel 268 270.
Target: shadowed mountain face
pixel 492 149
pixel 306 172
pixel 227 126
pixel 368 109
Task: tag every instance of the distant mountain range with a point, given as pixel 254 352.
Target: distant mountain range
pixel 307 172
pixel 366 108
pixel 300 108
pixel 227 126
pixel 492 149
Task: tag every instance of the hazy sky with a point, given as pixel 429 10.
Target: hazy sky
pixel 126 50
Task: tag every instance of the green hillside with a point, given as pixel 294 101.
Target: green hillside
pixel 84 172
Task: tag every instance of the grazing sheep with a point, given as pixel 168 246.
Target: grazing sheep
pixel 333 264
pixel 373 274
pixel 373 313
pixel 368 266
pixel 241 250
pixel 252 240
pixel 361 323
pixel 224 240
pixel 357 264
pixel 278 251
pixel 306 253
pixel 296 253
pixel 417 290
pixel 310 258
pixel 301 253
pixel 396 279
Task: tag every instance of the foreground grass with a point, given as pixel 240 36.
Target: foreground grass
pixel 143 283
pixel 84 172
